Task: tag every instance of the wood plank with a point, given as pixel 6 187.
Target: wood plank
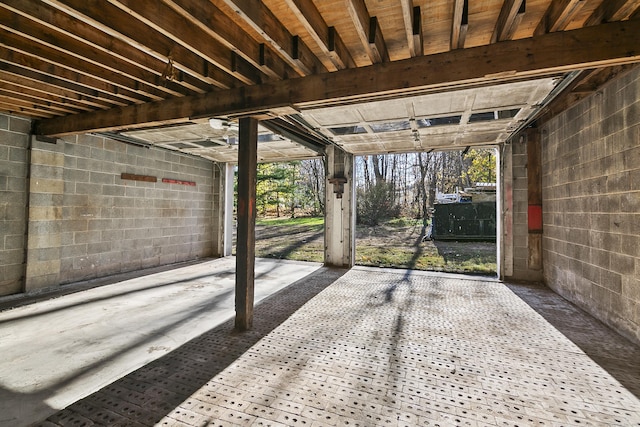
pixel 509 19
pixel 246 212
pixel 36 99
pixel 7 105
pixel 258 17
pixel 408 19
pixel 368 31
pixel 456 24
pixel 558 15
pixel 613 10
pixel 122 73
pixel 113 21
pixel 118 82
pixel 167 22
pixel 210 19
pixel 114 48
pixel 330 43
pixel 67 78
pixel 549 54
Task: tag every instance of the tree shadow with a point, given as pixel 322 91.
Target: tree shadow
pixel 148 394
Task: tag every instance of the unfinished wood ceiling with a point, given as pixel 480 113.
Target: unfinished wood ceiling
pixel 121 65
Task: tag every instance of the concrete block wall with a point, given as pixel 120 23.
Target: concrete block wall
pixel 591 204
pixel 85 221
pixel 14 142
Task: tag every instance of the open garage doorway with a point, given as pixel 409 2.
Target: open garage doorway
pixel 433 211
pixel 290 210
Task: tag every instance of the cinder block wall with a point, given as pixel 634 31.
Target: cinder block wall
pixel 14 140
pixel 591 204
pixel 86 222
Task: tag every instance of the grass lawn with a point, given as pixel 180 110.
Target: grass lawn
pixel 395 243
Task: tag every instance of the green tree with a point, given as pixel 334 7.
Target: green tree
pixel 482 167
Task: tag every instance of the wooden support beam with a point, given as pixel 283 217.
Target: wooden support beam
pixel 121 25
pixel 368 31
pixel 613 10
pixel 558 15
pixel 246 246
pixel 259 18
pixel 510 16
pixel 328 40
pixel 418 37
pixel 591 47
pixel 409 24
pixel 460 24
pixel 214 22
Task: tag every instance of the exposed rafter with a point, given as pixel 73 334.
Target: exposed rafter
pixel 613 10
pixel 510 16
pixel 368 31
pixel 327 39
pixel 258 17
pixel 590 47
pixel 460 23
pixel 559 15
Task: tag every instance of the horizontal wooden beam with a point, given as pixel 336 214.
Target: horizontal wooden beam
pixel 549 54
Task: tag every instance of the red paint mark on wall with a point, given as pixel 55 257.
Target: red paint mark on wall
pixel 178 181
pixel 535 218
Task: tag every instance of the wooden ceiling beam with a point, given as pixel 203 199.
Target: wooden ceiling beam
pixel 45 92
pixel 34 61
pixel 119 24
pixel 460 24
pixel 35 99
pixel 613 10
pixel 418 36
pixel 58 21
pixel 121 83
pixel 559 15
pixel 327 39
pixel 407 17
pixel 23 108
pixel 542 56
pixel 211 20
pixel 61 42
pixel 167 22
pixel 261 20
pixel 510 16
pixel 368 31
pixel 69 91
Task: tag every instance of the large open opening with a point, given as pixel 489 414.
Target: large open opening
pixel 432 211
pixel 290 206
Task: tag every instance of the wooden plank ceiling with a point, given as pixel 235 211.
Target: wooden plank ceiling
pixel 127 66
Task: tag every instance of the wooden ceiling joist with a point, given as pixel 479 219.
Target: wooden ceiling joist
pixel 546 55
pixel 167 22
pixel 407 17
pixel 119 24
pixel 211 20
pixel 510 16
pixel 558 15
pixel 262 21
pixel 368 31
pixel 327 39
pixel 460 24
pixel 66 90
pixel 613 10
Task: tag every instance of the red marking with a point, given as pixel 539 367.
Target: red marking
pixel 177 181
pixel 535 218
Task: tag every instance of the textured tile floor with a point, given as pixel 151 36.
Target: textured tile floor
pixel 370 347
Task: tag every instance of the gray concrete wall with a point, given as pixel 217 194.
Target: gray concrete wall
pixel 515 249
pixel 14 141
pixel 591 204
pixel 86 222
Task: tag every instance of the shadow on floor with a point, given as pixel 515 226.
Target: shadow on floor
pixel 148 394
pixel 614 353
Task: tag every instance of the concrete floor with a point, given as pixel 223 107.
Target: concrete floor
pixel 361 347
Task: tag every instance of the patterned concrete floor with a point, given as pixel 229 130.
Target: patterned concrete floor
pixel 373 347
